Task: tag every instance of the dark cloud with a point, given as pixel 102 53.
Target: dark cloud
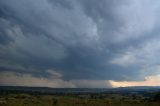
pixel 82 40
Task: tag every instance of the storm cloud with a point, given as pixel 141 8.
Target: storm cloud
pixel 86 41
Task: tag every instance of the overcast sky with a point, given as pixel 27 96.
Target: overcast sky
pixel 79 43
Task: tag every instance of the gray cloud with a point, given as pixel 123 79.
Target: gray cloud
pixel 83 40
pixel 12 78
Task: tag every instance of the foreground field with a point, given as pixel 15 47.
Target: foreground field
pixel 24 99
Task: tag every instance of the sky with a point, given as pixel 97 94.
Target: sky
pixel 79 43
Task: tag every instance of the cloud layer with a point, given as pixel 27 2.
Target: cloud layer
pixel 83 40
pixel 54 81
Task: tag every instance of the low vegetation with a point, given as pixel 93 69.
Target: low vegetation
pixel 93 99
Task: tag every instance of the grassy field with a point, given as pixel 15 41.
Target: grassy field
pixel 24 99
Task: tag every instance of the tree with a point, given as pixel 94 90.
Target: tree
pixel 157 97
pixel 55 102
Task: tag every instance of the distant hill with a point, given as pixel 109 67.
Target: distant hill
pixel 78 90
